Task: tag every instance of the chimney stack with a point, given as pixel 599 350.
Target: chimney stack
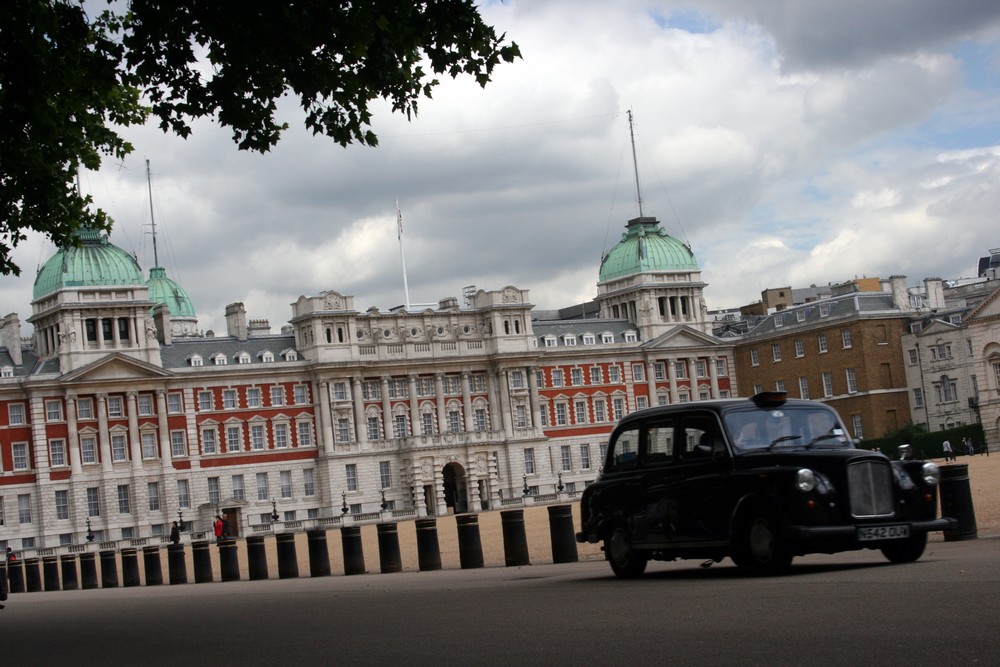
pixel 10 337
pixel 236 321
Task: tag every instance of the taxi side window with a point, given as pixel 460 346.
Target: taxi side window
pixel 659 442
pixel 701 436
pixel 625 449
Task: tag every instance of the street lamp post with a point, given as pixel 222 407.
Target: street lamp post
pixel 344 509
pixel 274 511
pixel 524 491
pixel 90 533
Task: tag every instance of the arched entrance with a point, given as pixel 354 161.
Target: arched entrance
pixel 456 496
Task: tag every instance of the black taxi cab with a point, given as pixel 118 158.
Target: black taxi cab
pixel 758 480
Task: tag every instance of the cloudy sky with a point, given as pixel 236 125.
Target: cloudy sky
pixel 790 142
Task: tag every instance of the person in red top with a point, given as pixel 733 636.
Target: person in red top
pixel 217 526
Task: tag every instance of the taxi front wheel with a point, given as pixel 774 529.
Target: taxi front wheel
pixel 906 551
pixel 759 545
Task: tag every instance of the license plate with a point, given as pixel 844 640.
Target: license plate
pixel 868 533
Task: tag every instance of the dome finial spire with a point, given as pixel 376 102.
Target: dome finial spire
pixel 635 163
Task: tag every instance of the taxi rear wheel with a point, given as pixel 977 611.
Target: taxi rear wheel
pixel 760 546
pixel 906 551
pixel 626 562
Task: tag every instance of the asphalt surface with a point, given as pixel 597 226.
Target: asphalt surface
pixel 845 609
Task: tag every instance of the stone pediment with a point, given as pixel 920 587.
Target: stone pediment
pixel 988 309
pixel 682 337
pixel 115 367
pixel 937 328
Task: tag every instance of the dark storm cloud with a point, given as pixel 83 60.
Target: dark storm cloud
pixel 846 34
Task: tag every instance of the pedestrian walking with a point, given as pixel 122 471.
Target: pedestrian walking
pixel 217 528
pixel 949 455
pixel 175 534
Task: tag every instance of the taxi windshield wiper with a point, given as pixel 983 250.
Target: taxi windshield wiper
pixel 784 438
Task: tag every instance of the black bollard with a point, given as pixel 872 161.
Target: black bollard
pixel 50 572
pixel 288 561
pixel 515 542
pixel 388 548
pixel 229 563
pixel 109 570
pixel 202 562
pixel 130 567
pixel 88 570
pixel 956 502
pixel 151 563
pixel 15 576
pixel 562 536
pixel 354 553
pixel 32 576
pixel 4 587
pixel 256 558
pixel 470 546
pixel 319 555
pixel 176 564
pixel 67 563
pixel 428 551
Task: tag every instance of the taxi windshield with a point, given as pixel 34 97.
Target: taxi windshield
pixel 785 426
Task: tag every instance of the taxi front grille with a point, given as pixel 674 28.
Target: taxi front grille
pixel 870 484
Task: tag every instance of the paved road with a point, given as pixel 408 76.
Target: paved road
pixel 848 609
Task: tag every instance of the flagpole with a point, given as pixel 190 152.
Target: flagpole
pixel 402 257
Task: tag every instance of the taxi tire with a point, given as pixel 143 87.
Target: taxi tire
pixel 759 545
pixel 906 551
pixel 626 562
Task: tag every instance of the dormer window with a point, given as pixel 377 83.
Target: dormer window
pixel 220 359
pixel 550 341
pixel 824 309
pixel 195 360
pixel 569 339
pixel 7 372
pixel 631 337
pixel 290 355
pixel 607 338
pixel 243 358
pixel 266 356
pixel 588 339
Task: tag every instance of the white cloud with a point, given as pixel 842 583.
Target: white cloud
pixel 790 142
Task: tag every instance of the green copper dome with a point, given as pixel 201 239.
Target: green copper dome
pixel 164 290
pixel 646 247
pixel 97 262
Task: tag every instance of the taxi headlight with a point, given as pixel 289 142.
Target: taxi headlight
pixel 805 480
pixel 932 474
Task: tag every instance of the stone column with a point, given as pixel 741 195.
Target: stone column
pixel 388 430
pixel 693 374
pixel 357 399
pixel 499 402
pixel 103 436
pixel 535 399
pixel 73 439
pixel 651 382
pixel 467 401
pixel 166 456
pixel 135 443
pixel 326 416
pixel 439 394
pixel 713 374
pixel 672 376
pixel 415 423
